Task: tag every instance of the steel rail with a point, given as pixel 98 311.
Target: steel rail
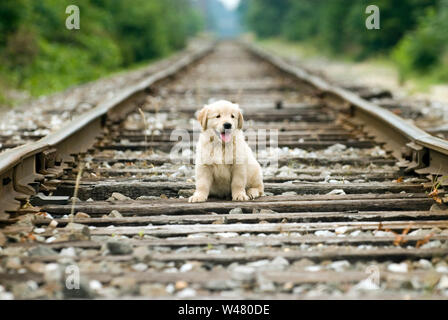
pixel 416 149
pixel 22 166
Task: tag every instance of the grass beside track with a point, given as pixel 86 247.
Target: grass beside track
pixel 379 71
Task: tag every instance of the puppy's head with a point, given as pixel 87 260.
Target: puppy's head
pixel 223 117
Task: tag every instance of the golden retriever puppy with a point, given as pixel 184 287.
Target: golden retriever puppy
pixel 225 165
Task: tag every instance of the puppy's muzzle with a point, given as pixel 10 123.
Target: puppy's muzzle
pixel 226 133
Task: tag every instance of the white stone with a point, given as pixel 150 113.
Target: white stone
pixel 236 211
pixel 198 235
pixel 339 265
pixel 214 251
pixel 324 233
pixel 280 261
pixel 227 234
pixel 243 273
pixel 398 267
pixel 50 240
pixel 380 233
pixel 355 233
pixel 336 192
pixel 170 288
pixel 186 293
pixel 95 285
pixel 335 148
pixel 69 252
pixel 341 230
pixel 52 272
pixel 259 263
pixel 140 267
pixel 313 268
pixel 6 296
pixel 442 269
pixel 443 283
pixel 432 244
pixel 186 267
pixel 425 264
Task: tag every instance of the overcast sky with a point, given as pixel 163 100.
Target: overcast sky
pixel 230 4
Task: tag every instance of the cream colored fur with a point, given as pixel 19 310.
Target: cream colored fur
pixel 225 169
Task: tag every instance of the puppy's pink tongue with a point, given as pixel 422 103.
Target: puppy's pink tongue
pixel 225 137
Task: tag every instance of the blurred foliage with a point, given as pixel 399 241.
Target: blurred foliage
pixel 425 49
pixel 413 32
pixel 39 54
pixel 265 17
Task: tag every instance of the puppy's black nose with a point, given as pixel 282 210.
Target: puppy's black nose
pixel 227 125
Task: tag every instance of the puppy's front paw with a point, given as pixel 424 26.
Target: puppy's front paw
pixel 197 197
pixel 253 193
pixel 240 196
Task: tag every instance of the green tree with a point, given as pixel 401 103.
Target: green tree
pixel 38 53
pixel 300 21
pixel 426 47
pixel 12 14
pixel 265 17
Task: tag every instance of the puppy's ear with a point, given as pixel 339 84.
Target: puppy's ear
pixel 240 120
pixel 202 117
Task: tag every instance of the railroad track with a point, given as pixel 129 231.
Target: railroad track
pixel 349 210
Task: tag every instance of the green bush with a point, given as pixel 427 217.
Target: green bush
pixel 39 54
pixel 58 67
pixel 265 16
pixel 300 22
pixel 413 32
pixel 425 49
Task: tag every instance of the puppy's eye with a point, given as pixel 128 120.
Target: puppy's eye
pixel 233 116
pixel 218 116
